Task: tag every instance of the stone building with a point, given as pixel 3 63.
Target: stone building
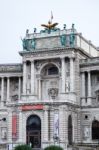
pixel 52 97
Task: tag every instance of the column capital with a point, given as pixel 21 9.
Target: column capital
pixel 62 57
pixel 32 61
pixel 89 71
pixel 82 72
pixel 24 61
pixel 46 108
pixel 8 77
pixel 71 58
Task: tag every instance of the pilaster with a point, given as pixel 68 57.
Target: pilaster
pixel 20 127
pixel 39 88
pixel 9 126
pixel 46 122
pixel 24 77
pixel 89 89
pixel 8 89
pixel 63 72
pixel 19 92
pixel 2 91
pixel 32 77
pixel 83 88
pixel 71 75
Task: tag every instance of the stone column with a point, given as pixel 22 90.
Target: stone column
pixel 39 89
pixel 74 129
pixel 2 91
pixel 89 84
pixel 89 89
pixel 63 74
pixel 32 77
pixel 83 84
pixel 46 122
pixel 24 78
pixel 19 89
pixel 71 75
pixel 20 127
pixel 51 123
pixel 8 89
pixel 83 102
pixel 9 121
pixel 61 124
pixel 62 127
pixel 66 126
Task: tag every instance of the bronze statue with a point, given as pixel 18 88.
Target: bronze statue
pixel 50 25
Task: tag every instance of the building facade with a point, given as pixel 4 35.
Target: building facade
pixel 52 97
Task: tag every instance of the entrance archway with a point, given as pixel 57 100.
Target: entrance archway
pixel 33 131
pixel 95 130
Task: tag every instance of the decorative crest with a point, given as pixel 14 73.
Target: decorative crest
pixel 50 25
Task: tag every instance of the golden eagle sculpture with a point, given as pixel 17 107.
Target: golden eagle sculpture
pixel 50 25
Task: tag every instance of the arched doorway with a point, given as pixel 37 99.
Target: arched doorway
pixel 95 130
pixel 70 130
pixel 33 131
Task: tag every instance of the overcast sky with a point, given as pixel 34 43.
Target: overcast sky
pixel 18 15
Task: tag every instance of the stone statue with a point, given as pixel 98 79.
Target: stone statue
pixel 86 132
pixel 27 32
pixel 35 30
pixel 64 27
pixel 63 40
pixel 67 86
pixel 25 44
pixel 72 36
pixel 33 43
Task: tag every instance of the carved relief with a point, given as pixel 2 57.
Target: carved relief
pixel 14 89
pixel 4 133
pixel 14 97
pixel 67 86
pixel 8 68
pixel 53 92
pixel 86 132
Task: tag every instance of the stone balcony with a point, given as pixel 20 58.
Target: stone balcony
pixel 89 101
pixel 90 61
pixel 63 97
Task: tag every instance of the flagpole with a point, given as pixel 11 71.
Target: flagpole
pixel 51 16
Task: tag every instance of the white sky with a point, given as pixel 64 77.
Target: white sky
pixel 18 15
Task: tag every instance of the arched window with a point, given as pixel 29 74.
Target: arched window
pixel 50 69
pixel 70 130
pixel 95 130
pixel 53 70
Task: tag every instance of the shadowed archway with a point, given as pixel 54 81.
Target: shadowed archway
pixel 95 130
pixel 33 131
